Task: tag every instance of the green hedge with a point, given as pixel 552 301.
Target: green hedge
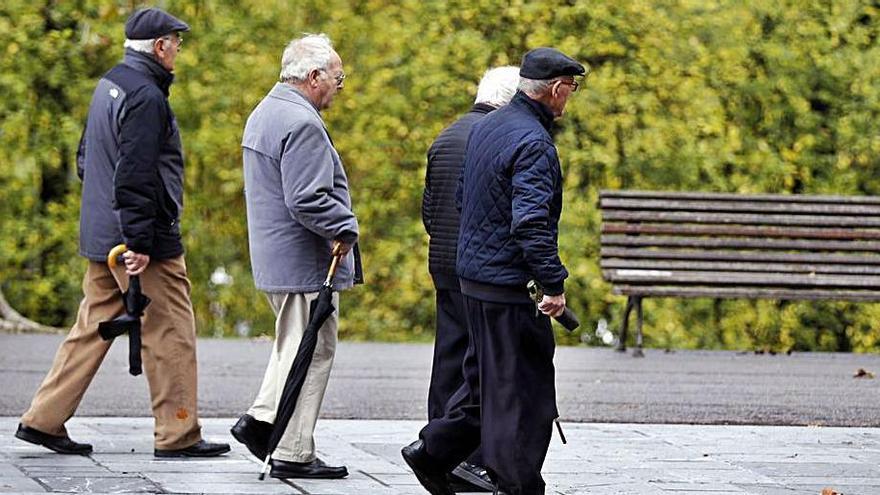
pixel 712 95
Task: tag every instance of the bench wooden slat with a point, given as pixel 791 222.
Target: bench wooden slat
pixel 777 198
pixel 734 256
pixel 738 218
pixel 742 231
pixel 748 293
pixel 781 280
pixel 727 266
pixel 739 243
pixel 738 206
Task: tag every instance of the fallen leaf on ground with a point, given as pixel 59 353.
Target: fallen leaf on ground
pixel 863 373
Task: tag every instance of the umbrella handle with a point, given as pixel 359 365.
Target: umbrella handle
pixel 333 264
pixel 114 254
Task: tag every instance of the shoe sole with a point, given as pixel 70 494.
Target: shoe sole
pixel 36 441
pixel 302 476
pixel 427 484
pixel 159 453
pixel 472 479
pixel 241 440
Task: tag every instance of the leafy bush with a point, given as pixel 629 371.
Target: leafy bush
pixel 723 95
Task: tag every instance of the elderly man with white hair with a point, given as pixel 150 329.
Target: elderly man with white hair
pixel 130 159
pixel 298 210
pixel 441 218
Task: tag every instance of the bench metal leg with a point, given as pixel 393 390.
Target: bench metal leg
pixel 637 352
pixel 624 329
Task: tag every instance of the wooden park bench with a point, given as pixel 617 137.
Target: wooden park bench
pixel 784 247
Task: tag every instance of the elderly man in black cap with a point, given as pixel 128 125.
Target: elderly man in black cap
pixel 511 200
pixel 131 162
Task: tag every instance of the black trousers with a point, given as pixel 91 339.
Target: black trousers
pixel 508 402
pixel 450 351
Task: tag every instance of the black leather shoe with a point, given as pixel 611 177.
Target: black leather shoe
pixel 467 477
pixel 253 434
pixel 62 445
pixel 425 469
pixel 198 449
pixel 315 469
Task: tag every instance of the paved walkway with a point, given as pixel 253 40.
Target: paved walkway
pixel 599 459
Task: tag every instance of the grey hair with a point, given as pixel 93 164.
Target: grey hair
pixel 498 86
pixel 143 46
pixel 303 55
pixel 534 87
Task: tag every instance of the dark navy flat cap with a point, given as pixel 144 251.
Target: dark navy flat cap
pixel 147 24
pixel 547 63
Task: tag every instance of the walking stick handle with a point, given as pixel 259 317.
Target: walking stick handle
pixel 114 253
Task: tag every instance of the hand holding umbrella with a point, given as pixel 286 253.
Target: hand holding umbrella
pixel 320 309
pixel 135 302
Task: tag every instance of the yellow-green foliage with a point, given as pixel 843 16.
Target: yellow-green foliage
pixel 716 95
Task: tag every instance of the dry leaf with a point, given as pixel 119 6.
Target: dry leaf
pixel 863 373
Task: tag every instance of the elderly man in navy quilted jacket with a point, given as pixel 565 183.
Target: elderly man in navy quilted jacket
pixel 441 218
pixel 511 200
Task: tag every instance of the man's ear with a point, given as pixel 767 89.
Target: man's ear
pixel 313 77
pixel 159 46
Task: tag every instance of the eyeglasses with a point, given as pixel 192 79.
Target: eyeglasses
pixel 339 77
pixel 574 85
pixel 177 40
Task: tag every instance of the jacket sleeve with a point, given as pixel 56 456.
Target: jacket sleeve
pixel 81 154
pixel 307 178
pixel 137 172
pixel 535 175
pixel 426 197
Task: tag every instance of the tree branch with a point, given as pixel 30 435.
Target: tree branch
pixel 12 321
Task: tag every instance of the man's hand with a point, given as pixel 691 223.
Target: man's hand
pixel 552 305
pixel 135 263
pixel 343 248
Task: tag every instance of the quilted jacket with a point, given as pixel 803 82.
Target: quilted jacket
pixel 511 200
pixel 439 209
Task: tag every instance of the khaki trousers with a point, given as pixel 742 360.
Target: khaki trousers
pixel 292 315
pixel 168 352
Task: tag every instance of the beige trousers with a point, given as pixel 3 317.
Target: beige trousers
pixel 292 315
pixel 168 352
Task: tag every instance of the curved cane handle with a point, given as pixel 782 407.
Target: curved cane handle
pixel 114 253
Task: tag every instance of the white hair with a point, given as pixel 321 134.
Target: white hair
pixel 143 46
pixel 535 87
pixel 303 55
pixel 498 86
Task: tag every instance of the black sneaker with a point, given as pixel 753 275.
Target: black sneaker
pixel 467 477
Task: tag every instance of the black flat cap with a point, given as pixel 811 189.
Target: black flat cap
pixel 547 63
pixel 147 24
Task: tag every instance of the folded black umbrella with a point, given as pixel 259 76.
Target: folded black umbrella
pixel 319 310
pixel 130 322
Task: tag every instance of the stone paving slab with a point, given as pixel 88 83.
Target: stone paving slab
pixel 599 459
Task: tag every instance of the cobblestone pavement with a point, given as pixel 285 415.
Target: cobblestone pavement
pixel 600 458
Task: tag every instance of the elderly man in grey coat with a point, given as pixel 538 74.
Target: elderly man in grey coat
pixel 298 210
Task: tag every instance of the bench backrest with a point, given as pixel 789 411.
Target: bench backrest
pixel 741 246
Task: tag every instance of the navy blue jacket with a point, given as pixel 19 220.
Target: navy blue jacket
pixel 439 208
pixel 511 199
pixel 131 162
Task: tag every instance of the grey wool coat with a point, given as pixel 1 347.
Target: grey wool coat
pixel 297 196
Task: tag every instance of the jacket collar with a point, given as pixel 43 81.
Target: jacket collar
pixel 541 111
pixel 148 65
pixel 289 93
pixel 483 108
